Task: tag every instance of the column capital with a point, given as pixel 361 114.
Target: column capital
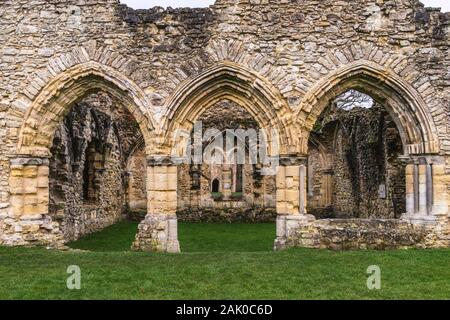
pixel 162 160
pixel 293 160
pixel 29 161
pixel 422 159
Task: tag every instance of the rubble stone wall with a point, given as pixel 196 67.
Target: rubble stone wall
pixel 77 214
pixel 88 180
pixel 371 234
pixel 368 177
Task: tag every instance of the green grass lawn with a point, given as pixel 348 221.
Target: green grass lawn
pixel 194 237
pixel 219 261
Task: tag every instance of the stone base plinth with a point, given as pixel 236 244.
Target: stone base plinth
pixel 287 224
pixel 38 230
pixel 25 221
pixel 157 233
pixel 361 234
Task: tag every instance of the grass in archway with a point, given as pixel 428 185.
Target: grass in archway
pixel 223 237
pixel 117 237
pixel 194 237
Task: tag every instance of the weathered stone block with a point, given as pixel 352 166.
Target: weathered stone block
pixel 157 233
pixel 30 172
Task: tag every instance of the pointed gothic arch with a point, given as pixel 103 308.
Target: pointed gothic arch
pixel 235 83
pixel 405 105
pixel 55 100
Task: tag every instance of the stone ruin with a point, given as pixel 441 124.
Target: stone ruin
pixel 92 94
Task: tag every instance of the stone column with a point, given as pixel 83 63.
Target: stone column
pixel 227 182
pixel 426 189
pixel 291 197
pixel 423 185
pixel 440 205
pixel 411 187
pixel 28 221
pixel 158 231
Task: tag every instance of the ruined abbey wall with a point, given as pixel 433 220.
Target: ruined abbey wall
pixel 356 170
pixel 284 60
pixel 291 43
pixel 246 195
pixel 137 182
pixel 86 181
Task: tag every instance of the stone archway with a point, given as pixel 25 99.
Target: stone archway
pixel 425 169
pixel 402 101
pixel 233 82
pixel 29 180
pixel 53 103
pixel 363 169
pixel 410 114
pixel 226 81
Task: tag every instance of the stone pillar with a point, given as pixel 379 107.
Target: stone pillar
pixel 28 221
pixel 411 186
pixel 423 200
pixel 440 205
pixel 158 231
pixel 291 197
pixel 227 182
pixel 426 189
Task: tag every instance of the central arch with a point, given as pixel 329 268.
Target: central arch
pixel 225 81
pixel 229 81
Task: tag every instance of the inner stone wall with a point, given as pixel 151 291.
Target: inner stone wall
pixel 137 181
pixel 368 176
pixel 88 181
pixel 196 202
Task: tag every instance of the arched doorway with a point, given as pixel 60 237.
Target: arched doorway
pixel 71 141
pixel 222 82
pixel 88 176
pixel 386 155
pixel 404 109
pixel 403 103
pixel 215 186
